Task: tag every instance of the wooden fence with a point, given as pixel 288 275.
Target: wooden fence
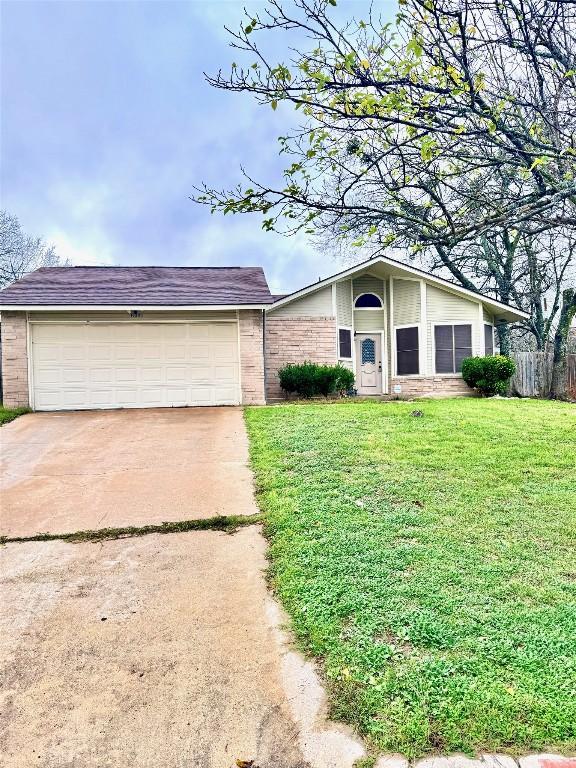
pixel 533 377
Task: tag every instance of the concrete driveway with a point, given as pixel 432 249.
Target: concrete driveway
pixel 160 650
pixel 63 472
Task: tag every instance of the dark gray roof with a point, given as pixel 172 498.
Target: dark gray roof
pixel 139 286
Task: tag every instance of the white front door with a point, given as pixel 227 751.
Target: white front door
pixel 134 365
pixel 368 364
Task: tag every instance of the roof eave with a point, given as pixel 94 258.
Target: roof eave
pixel 127 307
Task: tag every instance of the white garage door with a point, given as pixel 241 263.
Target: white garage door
pixel 133 365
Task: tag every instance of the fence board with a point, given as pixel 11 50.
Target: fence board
pixel 533 377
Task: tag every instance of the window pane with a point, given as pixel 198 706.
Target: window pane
pixel 460 354
pixel 463 336
pixel 443 337
pixel 444 361
pixel 406 338
pixel 345 343
pixel 408 362
pixel 368 300
pixel 488 340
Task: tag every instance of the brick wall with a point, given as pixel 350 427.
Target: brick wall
pixel 293 340
pixel 251 325
pixel 431 386
pixel 14 360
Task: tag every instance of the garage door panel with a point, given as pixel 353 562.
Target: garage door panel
pixel 226 373
pixel 224 332
pixel 175 353
pixel 75 376
pixel 152 376
pixel 126 376
pixel 74 398
pixel 132 365
pixel 100 376
pixel 126 397
pixel 102 398
pixel 177 375
pixel 73 353
pixel 99 352
pixel 225 351
pixel 125 352
pixel 174 332
pixel 48 377
pixel 47 353
pixel 151 353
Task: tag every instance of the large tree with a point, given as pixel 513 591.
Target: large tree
pixel 20 253
pixel 450 133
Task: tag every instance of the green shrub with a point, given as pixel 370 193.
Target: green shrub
pixel 310 379
pixel 488 375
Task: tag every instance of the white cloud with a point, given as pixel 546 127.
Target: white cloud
pixel 87 250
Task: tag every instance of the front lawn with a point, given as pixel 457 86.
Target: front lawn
pixel 430 563
pixel 9 414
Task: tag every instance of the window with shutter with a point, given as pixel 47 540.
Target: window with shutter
pixel 345 343
pixel 488 340
pixel 452 344
pixel 407 351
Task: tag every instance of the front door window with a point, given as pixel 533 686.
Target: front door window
pixel 368 351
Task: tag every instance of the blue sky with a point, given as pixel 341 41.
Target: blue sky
pixel 107 123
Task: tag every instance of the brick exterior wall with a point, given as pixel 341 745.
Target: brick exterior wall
pixel 251 325
pixel 431 386
pixel 293 340
pixel 14 360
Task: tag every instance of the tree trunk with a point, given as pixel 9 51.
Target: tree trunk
pixel 504 340
pixel 559 372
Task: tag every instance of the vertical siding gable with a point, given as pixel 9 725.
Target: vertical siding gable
pixel 406 298
pixel 368 284
pixel 344 303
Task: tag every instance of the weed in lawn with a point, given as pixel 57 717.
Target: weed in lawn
pixel 229 524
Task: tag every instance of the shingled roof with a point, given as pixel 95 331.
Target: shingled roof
pixel 139 286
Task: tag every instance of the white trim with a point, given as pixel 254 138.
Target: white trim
pixel 392 334
pixel 334 308
pixel 29 365
pixel 482 350
pixel 344 328
pixel 240 395
pixel 134 321
pixel 452 323
pixel 395 374
pixel 419 275
pixel 353 328
pixel 385 354
pixel 128 307
pixel 380 333
pixel 423 337
pixel 492 327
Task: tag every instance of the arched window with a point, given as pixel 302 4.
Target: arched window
pixel 368 301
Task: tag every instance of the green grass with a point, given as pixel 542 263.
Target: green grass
pixel 430 564
pixel 9 414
